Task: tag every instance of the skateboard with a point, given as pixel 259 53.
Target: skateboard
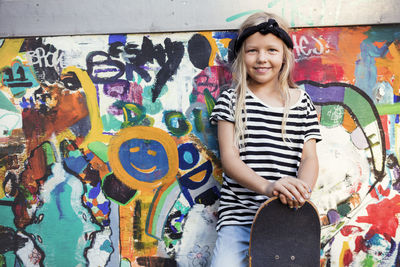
pixel 281 236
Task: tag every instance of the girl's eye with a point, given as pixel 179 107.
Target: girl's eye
pixel 251 51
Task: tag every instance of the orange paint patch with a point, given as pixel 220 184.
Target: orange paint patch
pixel 349 40
pixel 225 42
pixel 348 122
pixel 198 177
pixel 379 44
pixel 65 108
pixel 389 67
pixel 126 214
pixel 134 241
pixel 100 166
pixel 214 47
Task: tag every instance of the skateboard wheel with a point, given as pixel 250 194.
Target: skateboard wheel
pixel 276 257
pixel 292 258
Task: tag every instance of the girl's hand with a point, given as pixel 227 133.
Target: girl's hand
pixel 291 191
pixel 293 204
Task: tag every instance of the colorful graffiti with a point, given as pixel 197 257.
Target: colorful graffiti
pixel 107 157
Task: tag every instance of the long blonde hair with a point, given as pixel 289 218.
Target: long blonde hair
pixel 285 78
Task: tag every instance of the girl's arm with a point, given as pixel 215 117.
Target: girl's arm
pixel 308 171
pixel 309 167
pixel 235 168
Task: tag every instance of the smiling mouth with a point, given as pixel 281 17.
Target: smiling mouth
pixel 262 69
pixel 152 169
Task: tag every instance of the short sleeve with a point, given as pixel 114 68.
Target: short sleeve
pixel 312 127
pixel 223 109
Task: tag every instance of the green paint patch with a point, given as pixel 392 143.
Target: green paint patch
pixel 210 102
pixel 198 122
pixel 332 115
pixel 237 16
pixel 74 153
pixel 6 104
pixel 368 261
pixel 360 106
pixel 48 150
pixel 177 123
pixel 9 259
pixel 155 107
pixel 2 260
pixel 99 149
pixel 152 108
pixel 125 263
pixel 388 109
pixel 64 225
pixel 110 123
pixel 7 215
pixel 343 209
pixel 339 226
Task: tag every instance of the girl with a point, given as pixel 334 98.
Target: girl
pixel 267 134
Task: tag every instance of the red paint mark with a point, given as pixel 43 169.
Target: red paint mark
pixel 374 194
pixel 383 217
pixel 359 185
pixel 382 192
pixel 322 73
pixel 360 245
pixel 385 122
pixel 347 257
pixel 350 230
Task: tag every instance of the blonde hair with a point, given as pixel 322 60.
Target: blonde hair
pixel 285 78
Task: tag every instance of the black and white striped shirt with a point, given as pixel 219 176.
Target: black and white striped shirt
pixel 264 149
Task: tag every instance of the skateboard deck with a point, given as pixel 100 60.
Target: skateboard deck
pixel 281 236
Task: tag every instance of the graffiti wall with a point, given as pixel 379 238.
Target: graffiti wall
pixel 107 157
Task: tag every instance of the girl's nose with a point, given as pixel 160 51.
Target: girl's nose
pixel 262 56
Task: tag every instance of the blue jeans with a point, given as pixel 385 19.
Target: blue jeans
pixel 232 247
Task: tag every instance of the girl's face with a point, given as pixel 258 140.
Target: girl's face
pixel 263 57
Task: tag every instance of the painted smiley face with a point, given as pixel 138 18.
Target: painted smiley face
pixel 143 157
pixel 146 160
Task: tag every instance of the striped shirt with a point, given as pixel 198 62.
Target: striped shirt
pixel 264 150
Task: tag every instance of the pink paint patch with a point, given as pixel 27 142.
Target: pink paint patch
pixel 350 230
pixel 136 92
pixel 382 217
pixel 211 79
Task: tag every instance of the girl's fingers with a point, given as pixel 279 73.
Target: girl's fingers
pixel 299 189
pixel 283 199
pixel 283 189
pixel 293 194
pixel 293 190
pixel 291 203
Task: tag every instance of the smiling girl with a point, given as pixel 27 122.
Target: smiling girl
pixel 267 134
